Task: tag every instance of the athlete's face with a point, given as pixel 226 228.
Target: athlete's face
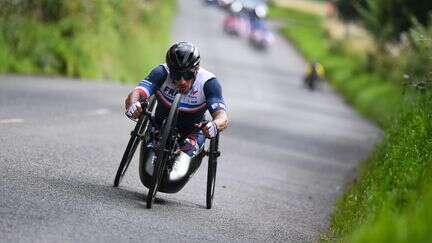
pixel 183 80
pixel 183 85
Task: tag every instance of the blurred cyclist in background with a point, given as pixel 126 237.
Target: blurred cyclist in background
pixel 314 74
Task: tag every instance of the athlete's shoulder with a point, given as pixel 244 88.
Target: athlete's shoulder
pixel 157 75
pixel 205 75
pixel 164 66
pixel 161 68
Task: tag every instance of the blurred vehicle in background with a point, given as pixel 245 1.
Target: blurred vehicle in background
pixel 225 3
pixel 211 2
pixel 250 5
pixel 236 22
pixel 260 35
pixel 247 18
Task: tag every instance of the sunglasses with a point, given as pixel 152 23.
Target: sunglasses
pixel 187 75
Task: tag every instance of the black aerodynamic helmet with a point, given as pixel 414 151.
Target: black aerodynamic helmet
pixel 182 56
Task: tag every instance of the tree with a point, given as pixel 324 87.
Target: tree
pixel 347 8
pixel 386 19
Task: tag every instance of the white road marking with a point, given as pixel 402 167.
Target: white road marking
pixel 99 112
pixel 11 120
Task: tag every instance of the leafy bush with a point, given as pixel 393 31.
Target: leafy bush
pixel 386 18
pixel 347 8
pixel 416 58
pixel 100 39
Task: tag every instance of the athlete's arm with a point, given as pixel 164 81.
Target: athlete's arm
pixel 220 118
pixel 216 106
pixel 144 90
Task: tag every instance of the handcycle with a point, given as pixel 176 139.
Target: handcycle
pixel 164 153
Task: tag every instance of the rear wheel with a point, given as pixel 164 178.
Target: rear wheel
pixel 140 128
pixel 164 149
pixel 211 173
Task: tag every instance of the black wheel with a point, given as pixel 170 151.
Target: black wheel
pixel 140 128
pixel 211 174
pixel 164 149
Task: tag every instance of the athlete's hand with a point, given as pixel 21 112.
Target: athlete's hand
pixel 209 129
pixel 134 110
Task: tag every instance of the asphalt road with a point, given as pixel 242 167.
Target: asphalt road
pixel 285 156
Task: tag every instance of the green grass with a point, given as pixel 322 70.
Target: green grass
pixel 346 72
pixel 394 187
pixel 391 200
pixel 115 40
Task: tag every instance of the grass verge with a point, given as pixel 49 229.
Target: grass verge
pixel 116 40
pixel 391 201
pixel 369 93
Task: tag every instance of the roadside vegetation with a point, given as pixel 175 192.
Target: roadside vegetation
pixel 115 40
pixel 391 200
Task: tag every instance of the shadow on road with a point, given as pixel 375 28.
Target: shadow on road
pixel 87 192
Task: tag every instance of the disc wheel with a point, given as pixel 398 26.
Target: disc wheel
pixel 163 150
pixel 211 173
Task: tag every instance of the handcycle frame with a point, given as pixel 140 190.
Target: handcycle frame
pixel 165 150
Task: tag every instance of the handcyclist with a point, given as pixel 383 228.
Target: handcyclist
pixel 201 91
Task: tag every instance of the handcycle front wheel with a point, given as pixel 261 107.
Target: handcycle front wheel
pixel 140 128
pixel 164 150
pixel 211 172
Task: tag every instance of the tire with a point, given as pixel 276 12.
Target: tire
pixel 140 128
pixel 211 173
pixel 164 150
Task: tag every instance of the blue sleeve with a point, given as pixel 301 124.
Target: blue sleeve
pixel 153 81
pixel 213 94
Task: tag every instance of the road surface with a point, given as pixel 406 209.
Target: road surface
pixel 285 157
